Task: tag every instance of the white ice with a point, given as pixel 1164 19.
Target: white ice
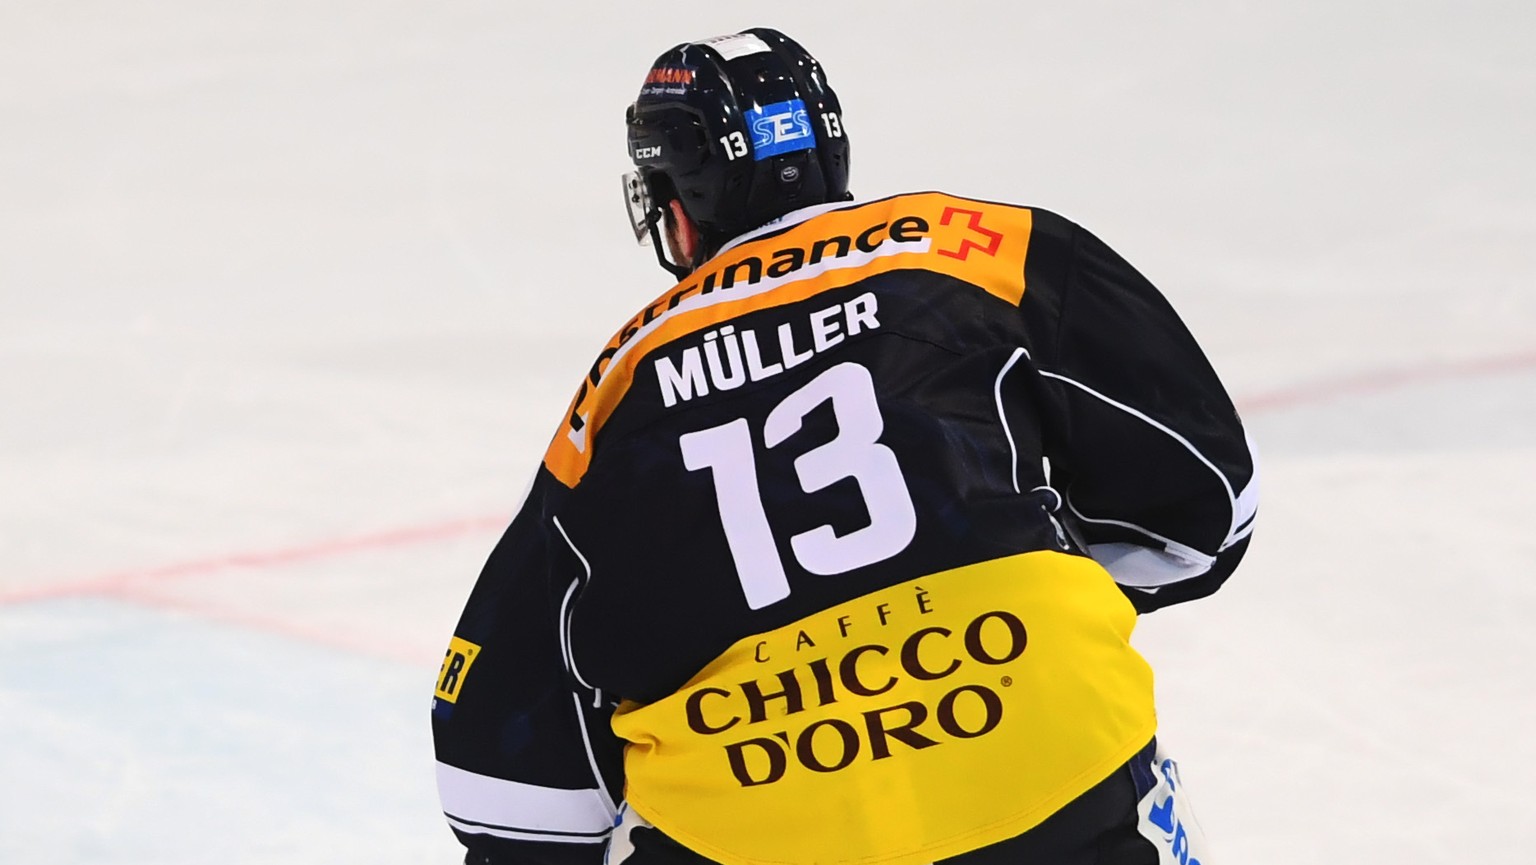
pixel 292 294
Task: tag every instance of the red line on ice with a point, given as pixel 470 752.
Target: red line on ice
pixel 1379 381
pixel 332 637
pixel 123 583
pixel 139 586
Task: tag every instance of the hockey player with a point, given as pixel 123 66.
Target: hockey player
pixel 836 554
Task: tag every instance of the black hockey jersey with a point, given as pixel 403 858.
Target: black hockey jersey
pixel 846 533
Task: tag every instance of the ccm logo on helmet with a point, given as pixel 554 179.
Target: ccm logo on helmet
pixel 647 152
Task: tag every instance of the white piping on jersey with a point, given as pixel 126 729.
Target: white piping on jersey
pixel 1183 551
pixel 1144 567
pixel 482 804
pixel 565 649
pixel 1052 490
pixel 597 776
pixel 520 835
pixel 570 660
pixel 565 617
pixel 1243 508
pixel 794 217
pixel 1246 505
pixel 1050 513
pixel 997 393
pixel 1129 564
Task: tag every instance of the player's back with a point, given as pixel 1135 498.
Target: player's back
pixel 816 413
pixel 806 489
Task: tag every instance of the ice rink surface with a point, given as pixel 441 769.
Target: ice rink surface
pixel 293 293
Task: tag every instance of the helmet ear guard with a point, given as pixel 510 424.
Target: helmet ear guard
pixel 649 192
pixel 645 218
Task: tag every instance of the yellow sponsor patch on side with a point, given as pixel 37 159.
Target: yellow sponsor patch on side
pixel 450 679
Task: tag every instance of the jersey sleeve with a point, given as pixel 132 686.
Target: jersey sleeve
pixel 1158 477
pixel 527 765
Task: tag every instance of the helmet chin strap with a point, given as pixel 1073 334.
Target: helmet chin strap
pixel 657 243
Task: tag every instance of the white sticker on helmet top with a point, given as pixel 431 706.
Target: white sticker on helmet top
pixel 736 45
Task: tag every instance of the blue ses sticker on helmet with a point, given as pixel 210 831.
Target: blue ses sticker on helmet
pixel 783 127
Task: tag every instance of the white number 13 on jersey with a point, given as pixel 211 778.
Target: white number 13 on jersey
pixel 854 453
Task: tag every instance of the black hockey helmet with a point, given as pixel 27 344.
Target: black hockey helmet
pixel 741 129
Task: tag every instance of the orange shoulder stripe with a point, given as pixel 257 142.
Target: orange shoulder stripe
pixel 980 243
